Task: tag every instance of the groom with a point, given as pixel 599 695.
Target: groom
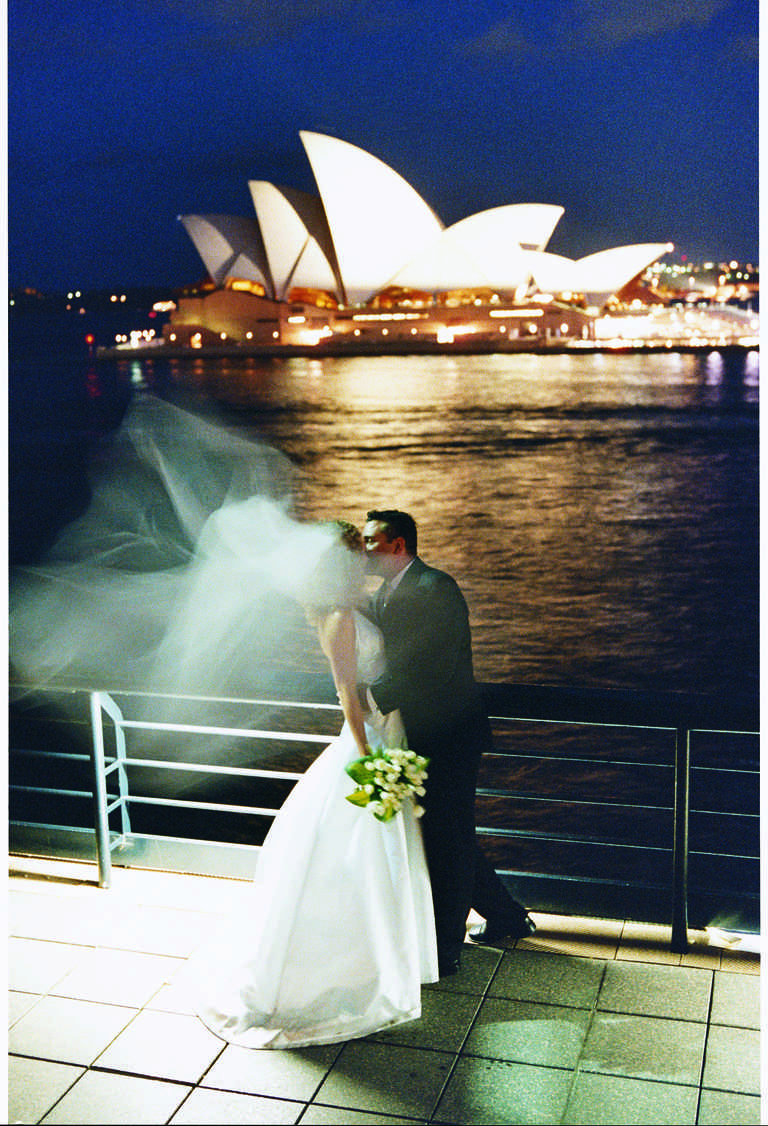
pixel 423 617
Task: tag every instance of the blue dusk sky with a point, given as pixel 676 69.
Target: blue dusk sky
pixel 639 120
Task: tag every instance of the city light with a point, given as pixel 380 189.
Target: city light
pixel 672 305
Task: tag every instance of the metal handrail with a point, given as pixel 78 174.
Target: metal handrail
pixel 102 702
pixel 681 715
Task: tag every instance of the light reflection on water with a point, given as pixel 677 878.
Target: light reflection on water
pixel 599 511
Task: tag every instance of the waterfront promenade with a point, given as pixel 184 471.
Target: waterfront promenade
pixel 587 1021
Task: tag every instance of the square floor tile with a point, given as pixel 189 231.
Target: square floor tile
pixel 444 1023
pixel 175 997
pixel 117 977
pixel 660 991
pixel 82 920
pixel 159 930
pixel 27 911
pixel 478 965
pixel 487 1092
pixel 584 938
pixel 44 869
pixel 316 1115
pixel 35 1085
pixel 611 1100
pixel 386 1079
pixel 70 1031
pixel 734 961
pixel 726 1108
pixel 34 965
pixel 165 1045
pixel 100 1098
pixel 733 1060
pixel 295 1073
pixel 178 890
pixel 670 1051
pixel 701 952
pixel 736 1000
pixel 19 1004
pixel 644 942
pixel 555 979
pixel 228 1108
pixel 549 1035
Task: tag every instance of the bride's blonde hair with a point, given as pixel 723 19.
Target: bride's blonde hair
pixel 336 583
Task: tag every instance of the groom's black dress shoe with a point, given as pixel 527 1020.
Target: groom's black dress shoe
pixel 494 930
pixel 446 967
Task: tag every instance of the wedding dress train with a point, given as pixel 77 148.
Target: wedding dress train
pixel 338 933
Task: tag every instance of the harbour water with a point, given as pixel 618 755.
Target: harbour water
pixel 599 511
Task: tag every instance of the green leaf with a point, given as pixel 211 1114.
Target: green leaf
pixel 358 771
pixel 359 797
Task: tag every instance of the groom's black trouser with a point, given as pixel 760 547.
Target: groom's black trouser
pixel 448 826
pixel 461 876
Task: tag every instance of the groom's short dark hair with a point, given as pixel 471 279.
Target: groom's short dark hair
pixel 397 524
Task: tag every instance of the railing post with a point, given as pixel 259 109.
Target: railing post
pixel 122 780
pixel 100 793
pixel 680 810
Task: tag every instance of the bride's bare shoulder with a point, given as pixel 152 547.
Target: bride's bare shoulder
pixel 336 627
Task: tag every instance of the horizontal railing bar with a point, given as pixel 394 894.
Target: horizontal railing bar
pixel 724 813
pixel 50 790
pixel 725 770
pixel 203 768
pixel 566 878
pixel 725 855
pixel 522 756
pixel 631 725
pixel 582 722
pixel 722 731
pixel 48 754
pixel 210 807
pixel 571 801
pixel 562 838
pixel 260 701
pixel 153 837
pixel 246 732
pixel 47 825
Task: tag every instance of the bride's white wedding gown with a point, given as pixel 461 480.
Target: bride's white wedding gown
pixel 338 933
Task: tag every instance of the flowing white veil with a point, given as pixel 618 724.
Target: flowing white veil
pixel 186 576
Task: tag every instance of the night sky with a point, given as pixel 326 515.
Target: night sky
pixel 640 120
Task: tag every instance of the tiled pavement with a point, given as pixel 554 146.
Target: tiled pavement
pixel 588 1021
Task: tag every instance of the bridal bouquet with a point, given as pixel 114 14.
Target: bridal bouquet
pixel 385 778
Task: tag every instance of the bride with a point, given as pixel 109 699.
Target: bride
pixel 185 579
pixel 338 934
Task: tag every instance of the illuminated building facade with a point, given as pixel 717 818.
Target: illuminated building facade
pixel 367 261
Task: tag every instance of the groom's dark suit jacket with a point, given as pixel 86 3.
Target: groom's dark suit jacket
pixel 429 677
pixel 428 649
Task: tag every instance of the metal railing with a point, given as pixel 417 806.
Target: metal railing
pixel 101 704
pixel 680 716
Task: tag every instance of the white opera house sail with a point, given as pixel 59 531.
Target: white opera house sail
pixel 366 260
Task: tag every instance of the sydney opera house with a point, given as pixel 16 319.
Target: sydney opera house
pixel 366 263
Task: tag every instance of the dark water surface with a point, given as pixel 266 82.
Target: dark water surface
pixel 600 511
